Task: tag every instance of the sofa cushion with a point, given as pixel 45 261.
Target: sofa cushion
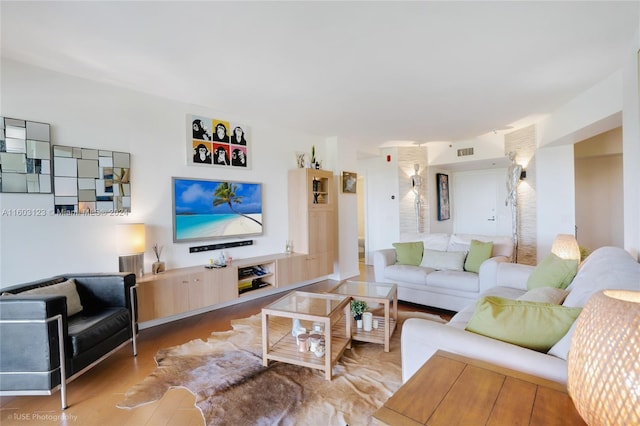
pixel 443 260
pixel 553 271
pixel 67 289
pixel 407 274
pixel 409 253
pixel 478 252
pixel 532 325
pixel 86 331
pixel 545 295
pixel 454 280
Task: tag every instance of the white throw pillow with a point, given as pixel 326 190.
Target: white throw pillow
pixel 443 260
pixel 67 289
pixel 561 348
pixel 545 295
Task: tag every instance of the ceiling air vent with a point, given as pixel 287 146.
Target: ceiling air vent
pixel 465 151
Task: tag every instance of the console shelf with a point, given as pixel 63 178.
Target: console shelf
pixel 256 276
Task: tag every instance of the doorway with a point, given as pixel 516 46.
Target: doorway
pixel 478 203
pixel 599 191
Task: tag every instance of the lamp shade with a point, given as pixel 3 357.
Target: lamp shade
pixel 603 365
pixel 131 238
pixel 565 246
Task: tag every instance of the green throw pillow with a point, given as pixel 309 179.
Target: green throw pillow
pixel 553 272
pixel 532 325
pixel 409 253
pixel 478 253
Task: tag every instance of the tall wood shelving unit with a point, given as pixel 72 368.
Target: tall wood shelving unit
pixel 312 221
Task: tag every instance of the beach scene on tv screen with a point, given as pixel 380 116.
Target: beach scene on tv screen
pixel 216 209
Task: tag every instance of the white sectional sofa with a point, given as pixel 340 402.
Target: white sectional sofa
pixel 445 288
pixel 605 268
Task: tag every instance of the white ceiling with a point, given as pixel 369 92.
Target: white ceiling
pixel 367 72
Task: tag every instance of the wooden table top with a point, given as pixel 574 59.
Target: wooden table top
pixel 451 389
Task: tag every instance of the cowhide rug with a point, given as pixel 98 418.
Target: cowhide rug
pixel 233 388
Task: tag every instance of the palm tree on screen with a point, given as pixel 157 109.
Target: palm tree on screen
pixel 225 193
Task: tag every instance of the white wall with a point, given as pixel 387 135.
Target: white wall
pixel 382 227
pixel 631 148
pixel 485 147
pixel 343 157
pixel 555 195
pixel 608 104
pixel 89 114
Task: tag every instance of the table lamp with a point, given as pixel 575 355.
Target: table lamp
pixel 131 248
pixel 565 246
pixel 603 365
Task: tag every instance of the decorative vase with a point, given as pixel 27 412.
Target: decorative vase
pixel 358 319
pixel 295 329
pixel 367 320
pixel 157 267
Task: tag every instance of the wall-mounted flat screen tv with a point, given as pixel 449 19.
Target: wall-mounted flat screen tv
pixel 211 209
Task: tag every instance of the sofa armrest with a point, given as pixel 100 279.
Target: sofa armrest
pixel 29 343
pixel 487 274
pixel 513 275
pixel 382 259
pixel 32 306
pixel 420 339
pixel 104 290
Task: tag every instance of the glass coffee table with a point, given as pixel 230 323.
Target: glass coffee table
pixel 371 292
pixel 327 309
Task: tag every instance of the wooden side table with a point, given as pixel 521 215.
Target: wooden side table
pixel 327 309
pixel 385 294
pixel 451 389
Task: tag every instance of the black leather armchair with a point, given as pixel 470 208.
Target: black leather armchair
pixel 37 333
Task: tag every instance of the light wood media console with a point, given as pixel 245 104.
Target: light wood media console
pixel 182 292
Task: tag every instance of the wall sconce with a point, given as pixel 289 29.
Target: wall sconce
pixel 416 180
pixel 131 247
pixel 523 174
pixel 566 247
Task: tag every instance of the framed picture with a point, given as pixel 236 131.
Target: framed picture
pixel 444 210
pixel 214 142
pixel 349 182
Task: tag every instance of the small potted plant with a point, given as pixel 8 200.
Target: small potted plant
pixel 313 156
pixel 357 308
pixel 157 266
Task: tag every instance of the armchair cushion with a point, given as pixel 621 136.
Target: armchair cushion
pixel 66 289
pixel 87 331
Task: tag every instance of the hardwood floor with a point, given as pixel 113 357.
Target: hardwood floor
pixel 92 397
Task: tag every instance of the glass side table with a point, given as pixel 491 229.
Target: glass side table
pixel 371 292
pixel 327 309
